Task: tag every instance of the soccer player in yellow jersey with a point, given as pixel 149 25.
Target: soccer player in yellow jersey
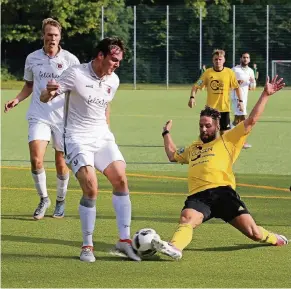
pixel 219 81
pixel 211 180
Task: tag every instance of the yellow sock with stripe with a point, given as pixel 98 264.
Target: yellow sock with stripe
pixel 183 236
pixel 268 237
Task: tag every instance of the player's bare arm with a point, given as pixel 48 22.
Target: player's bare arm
pixel 192 101
pixel 269 89
pixel 23 94
pixel 50 92
pixel 240 101
pixel 169 144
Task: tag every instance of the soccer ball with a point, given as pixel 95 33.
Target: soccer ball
pixel 141 242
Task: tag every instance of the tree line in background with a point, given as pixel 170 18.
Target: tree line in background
pixel 81 22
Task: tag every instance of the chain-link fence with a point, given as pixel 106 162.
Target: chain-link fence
pixel 170 43
pixel 167 45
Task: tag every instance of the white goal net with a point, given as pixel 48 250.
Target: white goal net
pixel 283 69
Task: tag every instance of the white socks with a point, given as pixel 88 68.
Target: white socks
pixel 62 186
pixel 87 211
pixel 122 207
pixel 39 178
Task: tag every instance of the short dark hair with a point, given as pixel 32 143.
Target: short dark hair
pixel 211 112
pixel 107 44
pixel 245 52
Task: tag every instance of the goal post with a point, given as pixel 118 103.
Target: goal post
pixel 283 69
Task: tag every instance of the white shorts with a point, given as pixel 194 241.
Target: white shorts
pixel 97 153
pixel 235 108
pixel 38 130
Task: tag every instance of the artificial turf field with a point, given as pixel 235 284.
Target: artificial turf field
pixel 44 254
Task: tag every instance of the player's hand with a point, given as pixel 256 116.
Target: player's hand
pixel 191 102
pixel 168 125
pixel 240 106
pixel 252 80
pixel 273 86
pixel 10 104
pixel 52 85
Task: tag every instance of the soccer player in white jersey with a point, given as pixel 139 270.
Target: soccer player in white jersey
pixel 89 143
pixel 246 79
pixel 46 119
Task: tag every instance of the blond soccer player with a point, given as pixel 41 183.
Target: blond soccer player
pixel 46 120
pixel 219 81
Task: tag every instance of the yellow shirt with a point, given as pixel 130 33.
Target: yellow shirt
pixel 218 84
pixel 210 164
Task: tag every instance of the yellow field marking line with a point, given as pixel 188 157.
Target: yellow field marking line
pixel 146 193
pixel 169 178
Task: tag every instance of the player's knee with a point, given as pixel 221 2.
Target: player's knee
pixel 192 217
pixel 61 167
pixel 90 188
pixel 36 162
pixel 119 182
pixel 254 234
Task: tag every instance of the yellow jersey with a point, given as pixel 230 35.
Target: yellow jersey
pixel 218 84
pixel 210 164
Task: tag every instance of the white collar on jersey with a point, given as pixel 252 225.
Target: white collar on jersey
pixel 59 51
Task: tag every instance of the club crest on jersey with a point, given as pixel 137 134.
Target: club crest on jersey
pixel 59 65
pixel 108 90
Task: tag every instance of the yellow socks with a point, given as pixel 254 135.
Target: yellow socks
pixel 268 237
pixel 183 236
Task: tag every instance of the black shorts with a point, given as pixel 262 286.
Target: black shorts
pixel 221 202
pixel 224 121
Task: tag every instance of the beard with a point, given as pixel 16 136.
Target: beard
pixel 206 138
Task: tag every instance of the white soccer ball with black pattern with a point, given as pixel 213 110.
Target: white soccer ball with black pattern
pixel 141 242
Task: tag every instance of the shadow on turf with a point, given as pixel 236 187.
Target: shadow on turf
pixel 98 258
pixel 99 217
pixel 228 248
pixel 98 246
pixel 169 220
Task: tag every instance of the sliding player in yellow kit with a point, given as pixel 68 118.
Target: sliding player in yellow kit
pixel 211 180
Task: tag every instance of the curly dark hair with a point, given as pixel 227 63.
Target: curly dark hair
pixel 211 112
pixel 107 44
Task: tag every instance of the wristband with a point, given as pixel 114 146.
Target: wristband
pixel 165 132
pixel 191 97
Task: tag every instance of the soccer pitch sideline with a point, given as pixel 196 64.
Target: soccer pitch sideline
pixel 45 254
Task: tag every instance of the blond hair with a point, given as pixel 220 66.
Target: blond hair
pixel 218 52
pixel 51 21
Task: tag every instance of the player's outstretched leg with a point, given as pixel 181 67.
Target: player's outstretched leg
pixel 166 248
pixel 246 224
pixel 189 219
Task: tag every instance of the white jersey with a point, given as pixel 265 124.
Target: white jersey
pixel 87 97
pixel 243 73
pixel 40 68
